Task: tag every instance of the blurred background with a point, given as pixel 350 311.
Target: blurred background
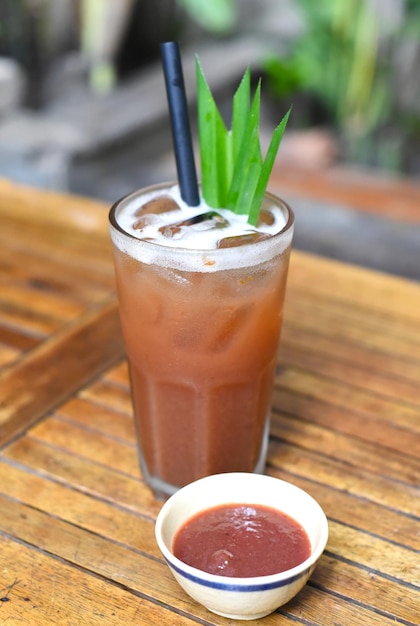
pixel 83 106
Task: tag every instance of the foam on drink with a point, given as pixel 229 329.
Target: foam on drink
pixel 194 238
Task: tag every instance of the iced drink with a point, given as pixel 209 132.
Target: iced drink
pixel 201 295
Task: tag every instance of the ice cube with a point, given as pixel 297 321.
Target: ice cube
pixel 162 204
pixel 144 221
pixel 171 230
pixel 226 328
pixel 265 218
pixel 242 240
pixel 203 221
pixel 148 213
pixel 207 221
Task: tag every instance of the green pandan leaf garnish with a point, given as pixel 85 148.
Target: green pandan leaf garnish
pixel 234 174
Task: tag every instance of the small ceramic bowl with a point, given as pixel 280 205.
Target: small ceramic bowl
pixel 241 598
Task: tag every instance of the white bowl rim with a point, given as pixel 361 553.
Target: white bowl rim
pixel 232 583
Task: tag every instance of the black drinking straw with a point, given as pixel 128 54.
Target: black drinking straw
pixel 181 132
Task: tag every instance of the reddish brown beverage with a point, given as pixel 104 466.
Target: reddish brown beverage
pixel 201 329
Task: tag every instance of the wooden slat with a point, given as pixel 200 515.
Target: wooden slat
pixel 341 576
pixel 342 501
pixel 38 301
pixel 118 374
pixel 389 332
pixel 60 274
pixel 350 450
pixel 59 538
pixel 89 444
pixel 340 349
pixel 62 492
pixel 98 417
pixel 385 195
pixel 354 286
pixel 298 462
pixel 57 304
pixel 45 208
pixel 87 474
pixel 346 420
pixel 17 339
pixel 33 324
pixel 145 578
pixel 103 392
pixel 8 355
pixel 48 240
pixel 54 370
pixel 352 503
pixel 37 588
pixel 348 397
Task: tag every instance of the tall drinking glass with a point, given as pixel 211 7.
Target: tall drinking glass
pixel 201 329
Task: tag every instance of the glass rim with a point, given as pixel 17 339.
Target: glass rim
pixel 198 259
pixel 179 249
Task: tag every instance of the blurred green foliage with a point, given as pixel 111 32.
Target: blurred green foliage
pixel 344 61
pixel 215 16
pixel 336 59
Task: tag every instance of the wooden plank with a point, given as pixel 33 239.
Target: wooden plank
pixel 346 397
pixel 25 205
pixel 318 340
pixel 118 374
pixel 87 507
pixel 299 462
pixel 90 444
pixel 144 578
pixel 314 607
pixel 369 311
pixel 111 453
pixel 82 473
pixel 17 339
pixel 87 347
pixel 80 281
pixel 98 417
pixel 152 578
pixel 342 500
pixel 347 421
pixel 7 355
pixel 38 589
pixel 387 386
pixel 39 301
pixel 116 395
pixel 372 552
pixel 355 286
pixel 331 312
pixel 26 234
pixel 342 578
pixel 22 319
pixel 353 499
pixel 389 196
pixel 60 248
pixel 377 460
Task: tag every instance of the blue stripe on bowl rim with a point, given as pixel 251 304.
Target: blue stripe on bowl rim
pixel 225 586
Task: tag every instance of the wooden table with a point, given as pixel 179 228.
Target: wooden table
pixel 77 522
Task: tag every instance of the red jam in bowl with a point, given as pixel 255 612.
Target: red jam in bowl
pixel 241 540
